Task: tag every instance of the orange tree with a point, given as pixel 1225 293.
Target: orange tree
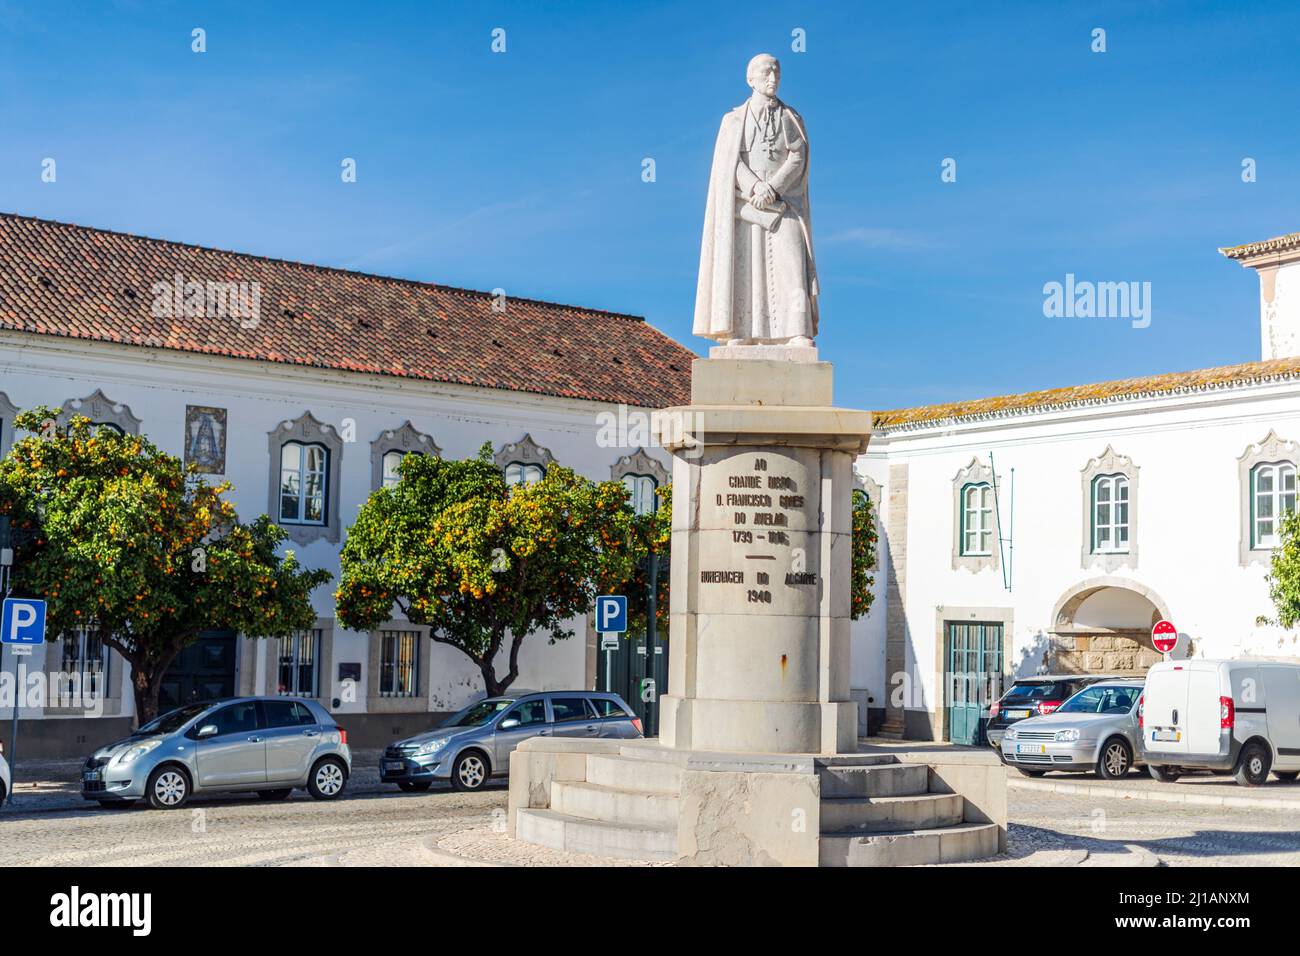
pixel 116 536
pixel 481 563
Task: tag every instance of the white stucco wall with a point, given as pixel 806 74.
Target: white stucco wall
pixel 157 385
pixel 1186 448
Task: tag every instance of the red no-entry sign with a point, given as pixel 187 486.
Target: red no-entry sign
pixel 1164 636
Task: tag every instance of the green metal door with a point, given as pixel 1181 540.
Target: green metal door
pixel 973 677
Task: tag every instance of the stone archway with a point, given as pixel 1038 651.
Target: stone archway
pixel 1103 626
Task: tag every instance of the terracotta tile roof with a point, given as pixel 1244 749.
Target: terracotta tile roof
pixel 1282 369
pixel 1282 244
pixel 78 282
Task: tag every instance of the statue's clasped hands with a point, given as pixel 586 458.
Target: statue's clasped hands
pixel 762 195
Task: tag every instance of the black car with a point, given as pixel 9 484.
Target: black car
pixel 1034 697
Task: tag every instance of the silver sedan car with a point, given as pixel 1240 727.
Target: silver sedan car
pixel 1098 729
pixel 476 743
pixel 267 745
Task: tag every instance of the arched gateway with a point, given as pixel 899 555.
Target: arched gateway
pixel 1103 626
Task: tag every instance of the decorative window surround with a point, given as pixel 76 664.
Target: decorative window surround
pixel 392 704
pixel 404 439
pixel 1109 463
pixel 307 430
pixel 638 465
pixel 976 473
pixel 524 452
pixel 1271 450
pixel 7 412
pixel 327 685
pixel 101 409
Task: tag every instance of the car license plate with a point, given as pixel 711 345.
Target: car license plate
pixel 1031 749
pixel 393 765
pixel 90 776
pixel 1017 714
pixel 1172 735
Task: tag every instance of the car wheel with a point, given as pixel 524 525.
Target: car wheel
pixel 327 779
pixel 1287 775
pixel 1115 760
pixel 1031 773
pixel 1164 774
pixel 1253 765
pixel 415 786
pixel 274 794
pixel 470 771
pixel 168 788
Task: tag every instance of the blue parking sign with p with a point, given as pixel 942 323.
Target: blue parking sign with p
pixel 22 622
pixel 611 614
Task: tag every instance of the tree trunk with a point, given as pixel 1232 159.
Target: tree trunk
pixel 495 686
pixel 145 682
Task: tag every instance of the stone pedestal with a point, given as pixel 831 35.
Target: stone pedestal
pixel 761 553
pixel 756 761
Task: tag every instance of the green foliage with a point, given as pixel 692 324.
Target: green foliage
pixel 1284 574
pixel 480 562
pixel 114 534
pixel 865 540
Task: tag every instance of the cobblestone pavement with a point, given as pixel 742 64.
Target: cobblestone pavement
pixel 377 825
pixel 51 825
pixel 1178 834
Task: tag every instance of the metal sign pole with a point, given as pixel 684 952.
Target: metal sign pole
pixel 12 755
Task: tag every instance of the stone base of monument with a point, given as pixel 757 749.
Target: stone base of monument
pixel 757 759
pixel 639 800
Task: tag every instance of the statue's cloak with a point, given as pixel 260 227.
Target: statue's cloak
pixel 714 294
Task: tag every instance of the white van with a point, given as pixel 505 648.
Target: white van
pixel 1238 716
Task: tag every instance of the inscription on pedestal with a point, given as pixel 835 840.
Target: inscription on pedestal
pixel 770 521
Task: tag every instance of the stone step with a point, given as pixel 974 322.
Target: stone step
pixel 955 844
pixel 627 841
pixel 886 780
pixel 926 811
pixel 627 773
pixel 596 802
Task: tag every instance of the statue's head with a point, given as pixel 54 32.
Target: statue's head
pixel 764 74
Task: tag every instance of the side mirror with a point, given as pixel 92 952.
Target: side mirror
pixel 509 723
pixel 207 730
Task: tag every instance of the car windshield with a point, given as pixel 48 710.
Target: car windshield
pixel 171 721
pixel 476 715
pixel 1102 700
pixel 1038 690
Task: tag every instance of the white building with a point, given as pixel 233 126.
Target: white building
pixel 1047 532
pixel 313 380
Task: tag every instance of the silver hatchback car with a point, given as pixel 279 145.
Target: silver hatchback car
pixel 270 745
pixel 1097 729
pixel 476 743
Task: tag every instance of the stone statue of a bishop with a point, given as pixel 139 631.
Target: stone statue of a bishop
pixel 758 278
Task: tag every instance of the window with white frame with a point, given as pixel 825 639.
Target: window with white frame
pixel 518 473
pixel 641 493
pixel 84 659
pixel 398 663
pixel 303 471
pixel 1272 494
pixel 977 519
pixel 392 460
pixel 1110 514
pixel 299 671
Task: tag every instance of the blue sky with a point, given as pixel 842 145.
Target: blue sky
pixel 523 170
